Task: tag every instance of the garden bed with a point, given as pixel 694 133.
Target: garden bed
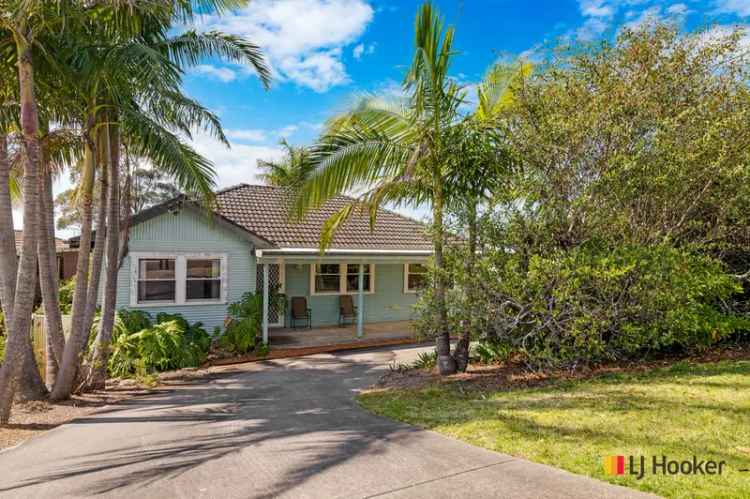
pixel 572 420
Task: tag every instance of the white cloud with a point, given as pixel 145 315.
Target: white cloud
pixel 602 16
pixel 318 71
pixel 362 49
pixel 737 7
pixel 237 164
pixel 224 74
pixel 251 135
pixel 302 38
pixel 679 9
pixel 287 131
pixel 592 28
pixel 648 16
pixel 595 8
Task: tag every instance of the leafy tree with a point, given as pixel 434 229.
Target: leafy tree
pixel 626 227
pixel 643 141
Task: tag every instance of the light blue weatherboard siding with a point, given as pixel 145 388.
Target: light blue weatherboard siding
pixel 387 303
pixel 188 232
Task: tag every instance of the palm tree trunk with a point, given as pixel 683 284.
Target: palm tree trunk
pixel 31 385
pixel 98 374
pixel 461 353
pixel 48 271
pixel 71 355
pixel 8 257
pixel 445 362
pixel 23 303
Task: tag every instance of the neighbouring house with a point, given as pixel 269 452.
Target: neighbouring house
pixel 67 255
pixel 187 260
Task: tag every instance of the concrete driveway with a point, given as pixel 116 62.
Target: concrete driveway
pixel 285 428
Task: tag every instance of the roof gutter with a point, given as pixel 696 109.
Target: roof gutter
pixel 336 252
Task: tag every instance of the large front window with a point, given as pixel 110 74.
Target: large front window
pixel 203 279
pixel 340 278
pixel 156 280
pixel 178 279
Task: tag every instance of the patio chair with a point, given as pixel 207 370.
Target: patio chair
pixel 300 312
pixel 347 310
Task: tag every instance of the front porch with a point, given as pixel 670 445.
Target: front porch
pixel 378 333
pixel 379 287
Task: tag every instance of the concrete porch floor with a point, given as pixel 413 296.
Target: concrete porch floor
pixel 333 335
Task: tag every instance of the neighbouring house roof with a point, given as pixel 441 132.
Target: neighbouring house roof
pixel 263 213
pixel 264 210
pixel 60 245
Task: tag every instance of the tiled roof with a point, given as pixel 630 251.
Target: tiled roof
pixel 263 210
pixel 60 245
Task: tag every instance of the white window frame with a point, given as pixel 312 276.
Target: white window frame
pixel 180 278
pixel 342 280
pixel 406 276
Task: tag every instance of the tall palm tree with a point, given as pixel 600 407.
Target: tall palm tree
pixel 291 171
pixel 22 21
pixel 480 164
pixel 396 152
pixel 133 90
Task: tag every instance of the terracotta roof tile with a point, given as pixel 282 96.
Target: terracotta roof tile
pixel 264 211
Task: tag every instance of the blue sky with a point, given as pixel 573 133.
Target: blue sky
pixel 326 52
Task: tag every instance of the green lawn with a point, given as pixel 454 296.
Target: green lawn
pixel 685 410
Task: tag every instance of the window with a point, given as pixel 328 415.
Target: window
pixel 156 280
pixel 203 279
pixel 340 278
pixel 327 278
pixel 415 277
pixel 179 279
pixel 352 278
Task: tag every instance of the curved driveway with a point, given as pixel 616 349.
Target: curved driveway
pixel 285 428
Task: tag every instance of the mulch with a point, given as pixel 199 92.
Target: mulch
pixel 513 374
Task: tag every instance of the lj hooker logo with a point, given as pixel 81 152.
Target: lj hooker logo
pixel 639 466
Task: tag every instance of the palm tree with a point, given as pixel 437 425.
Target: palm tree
pixel 133 91
pixel 396 152
pixel 292 171
pixel 22 22
pixel 480 164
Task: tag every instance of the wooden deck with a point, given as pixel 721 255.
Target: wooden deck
pixel 385 332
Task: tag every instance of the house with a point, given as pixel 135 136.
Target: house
pixel 184 259
pixel 67 256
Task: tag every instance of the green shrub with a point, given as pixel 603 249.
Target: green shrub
pixel 490 352
pixel 592 304
pixel 65 293
pixel 141 347
pixel 425 360
pixel 244 324
pixel 2 348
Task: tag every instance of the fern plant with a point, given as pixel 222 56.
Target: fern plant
pixel 243 326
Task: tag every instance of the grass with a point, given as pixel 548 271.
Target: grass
pixel 680 411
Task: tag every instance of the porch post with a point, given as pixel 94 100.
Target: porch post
pixel 361 301
pixel 265 304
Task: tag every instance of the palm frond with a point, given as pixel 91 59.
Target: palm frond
pixel 189 48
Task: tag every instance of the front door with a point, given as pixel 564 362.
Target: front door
pixel 275 282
